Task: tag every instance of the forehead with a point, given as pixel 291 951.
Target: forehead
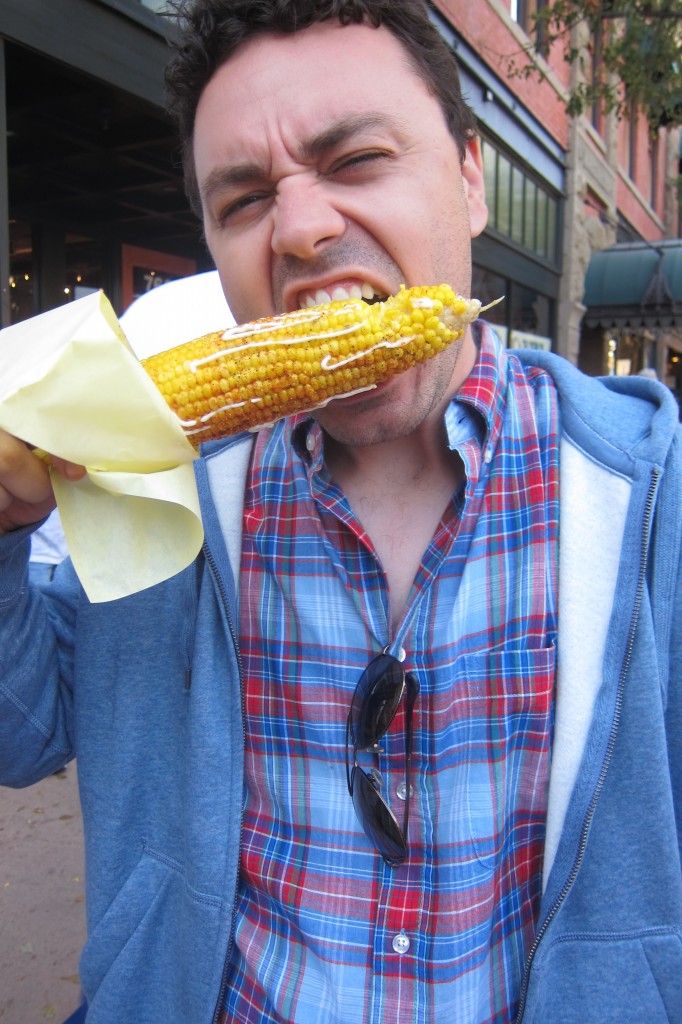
pixel 285 86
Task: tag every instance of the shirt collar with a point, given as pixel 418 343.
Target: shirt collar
pixel 482 395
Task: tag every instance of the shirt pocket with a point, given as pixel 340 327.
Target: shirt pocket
pixel 509 712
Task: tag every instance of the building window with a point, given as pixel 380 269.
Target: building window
pixel 519 207
pixel 503 198
pixel 523 13
pixel 631 122
pixel 524 317
pixel 597 107
pixel 654 153
pixel 518 182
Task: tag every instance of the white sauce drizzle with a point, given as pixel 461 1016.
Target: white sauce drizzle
pixel 326 364
pixel 248 330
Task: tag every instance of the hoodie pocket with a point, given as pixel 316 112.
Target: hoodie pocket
pixel 134 903
pixel 604 979
pixel 158 952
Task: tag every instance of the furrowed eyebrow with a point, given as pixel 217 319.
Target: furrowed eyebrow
pixel 235 175
pixel 223 178
pixel 343 130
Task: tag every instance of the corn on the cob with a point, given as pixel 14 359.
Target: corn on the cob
pixel 255 373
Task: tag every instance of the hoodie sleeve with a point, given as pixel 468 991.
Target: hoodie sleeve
pixel 666 584
pixel 36 632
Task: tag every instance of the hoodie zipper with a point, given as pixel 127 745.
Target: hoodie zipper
pixel 233 633
pixel 641 582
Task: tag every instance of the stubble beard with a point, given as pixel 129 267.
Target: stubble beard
pixel 373 421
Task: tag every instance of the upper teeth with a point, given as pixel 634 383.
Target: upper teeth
pixel 338 294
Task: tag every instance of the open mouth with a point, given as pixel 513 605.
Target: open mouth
pixel 339 293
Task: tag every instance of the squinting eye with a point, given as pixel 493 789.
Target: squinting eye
pixel 239 205
pixel 358 159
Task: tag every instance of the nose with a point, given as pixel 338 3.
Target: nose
pixel 304 219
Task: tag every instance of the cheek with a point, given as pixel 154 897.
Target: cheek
pixel 427 232
pixel 447 239
pixel 244 269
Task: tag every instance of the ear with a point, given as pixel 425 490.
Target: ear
pixel 474 187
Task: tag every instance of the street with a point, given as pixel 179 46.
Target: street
pixel 42 914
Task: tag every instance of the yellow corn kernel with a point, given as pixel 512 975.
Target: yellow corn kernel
pixel 255 373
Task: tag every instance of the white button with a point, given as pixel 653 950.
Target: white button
pixel 401 654
pixel 401 791
pixel 488 456
pixel 401 943
pixel 310 443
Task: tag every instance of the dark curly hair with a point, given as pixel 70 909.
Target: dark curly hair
pixel 209 31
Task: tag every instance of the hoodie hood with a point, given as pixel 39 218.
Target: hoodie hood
pixel 634 417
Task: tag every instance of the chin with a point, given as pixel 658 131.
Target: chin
pixel 362 428
pixel 392 410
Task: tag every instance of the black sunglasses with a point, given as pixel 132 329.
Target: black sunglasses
pixel 375 703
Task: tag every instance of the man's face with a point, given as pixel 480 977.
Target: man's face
pixel 325 167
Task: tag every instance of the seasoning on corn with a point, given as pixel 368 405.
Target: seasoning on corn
pixel 255 373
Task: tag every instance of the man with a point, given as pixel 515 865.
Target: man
pixel 378 608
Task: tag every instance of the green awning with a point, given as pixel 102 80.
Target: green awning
pixel 635 284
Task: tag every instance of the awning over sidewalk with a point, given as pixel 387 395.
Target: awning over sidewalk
pixel 635 284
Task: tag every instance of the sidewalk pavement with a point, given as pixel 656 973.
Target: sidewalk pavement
pixel 42 912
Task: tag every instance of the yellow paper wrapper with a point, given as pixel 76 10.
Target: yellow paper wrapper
pixel 71 385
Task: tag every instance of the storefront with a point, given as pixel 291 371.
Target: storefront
pixel 93 189
pixel 90 182
pixel 633 319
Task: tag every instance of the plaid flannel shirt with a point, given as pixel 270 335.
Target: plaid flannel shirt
pixel 326 932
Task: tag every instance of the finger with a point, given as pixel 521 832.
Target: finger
pixel 69 470
pixel 23 476
pixel 25 488
pixel 15 513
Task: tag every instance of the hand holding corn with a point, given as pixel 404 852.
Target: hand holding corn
pixel 255 373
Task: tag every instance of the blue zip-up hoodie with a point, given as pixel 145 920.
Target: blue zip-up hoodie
pixel 148 698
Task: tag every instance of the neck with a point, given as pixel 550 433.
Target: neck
pixel 399 491
pixel 400 464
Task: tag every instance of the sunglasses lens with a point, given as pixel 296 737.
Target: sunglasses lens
pixel 376 700
pixel 377 819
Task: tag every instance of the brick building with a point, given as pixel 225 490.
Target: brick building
pixel 93 195
pixel 609 281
